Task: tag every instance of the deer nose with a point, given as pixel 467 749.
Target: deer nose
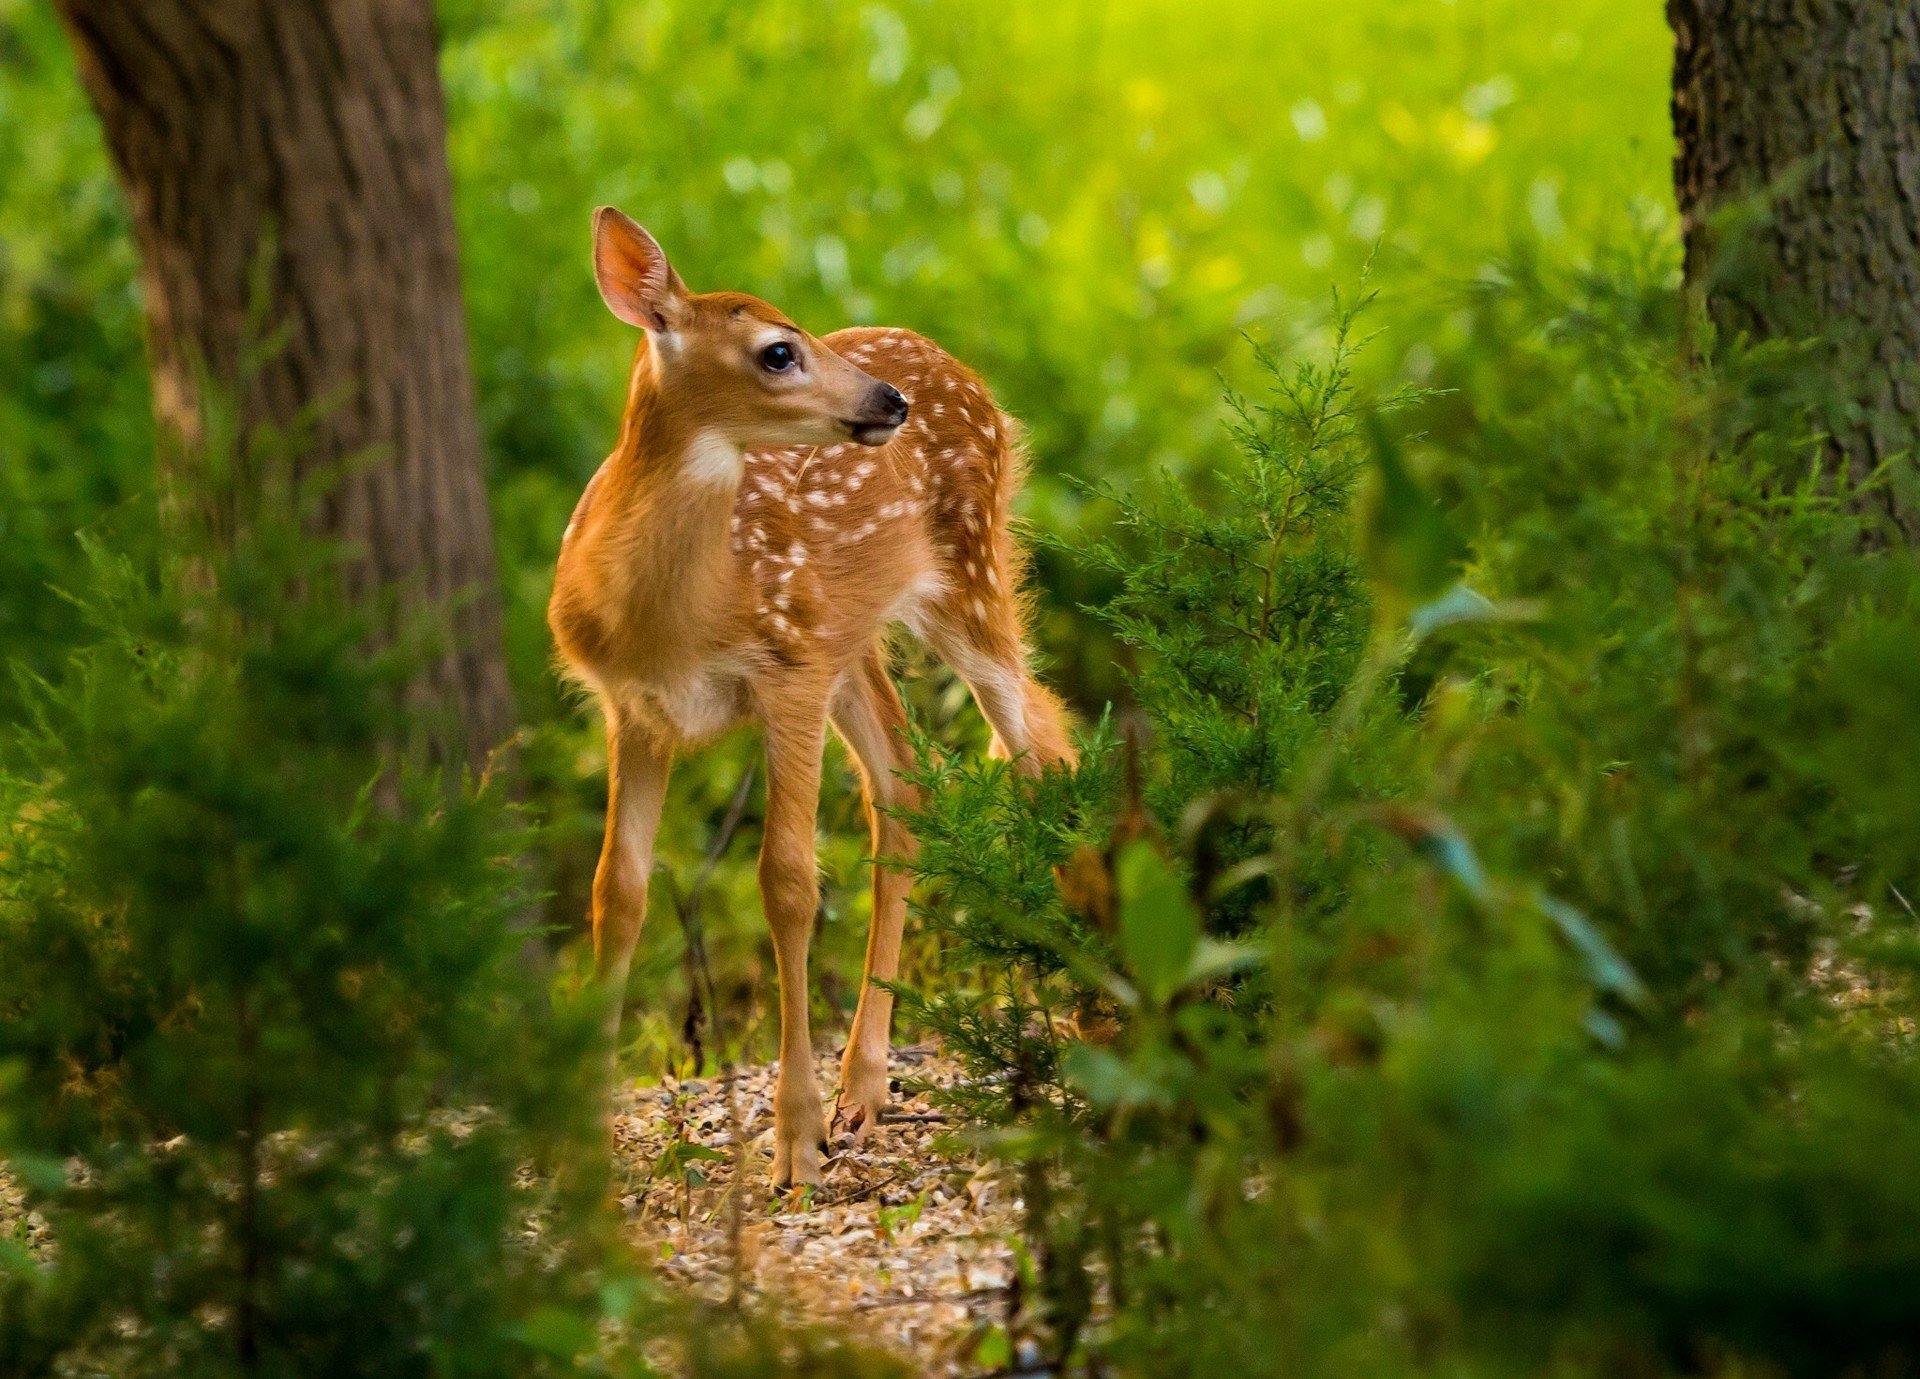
pixel 892 404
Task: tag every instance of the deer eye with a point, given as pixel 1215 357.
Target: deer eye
pixel 778 357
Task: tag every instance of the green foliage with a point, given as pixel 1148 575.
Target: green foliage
pixel 1091 234
pixel 1565 1017
pixel 1001 911
pixel 1250 618
pixel 1482 943
pixel 275 1068
pixel 1249 613
pixel 271 1063
pixel 1702 588
pixel 74 434
pixel 1745 1188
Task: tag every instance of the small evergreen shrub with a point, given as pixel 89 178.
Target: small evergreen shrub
pixel 271 1067
pixel 1496 954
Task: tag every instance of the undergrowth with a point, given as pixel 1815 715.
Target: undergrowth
pixel 1489 948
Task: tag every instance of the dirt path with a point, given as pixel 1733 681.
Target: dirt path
pixel 906 1248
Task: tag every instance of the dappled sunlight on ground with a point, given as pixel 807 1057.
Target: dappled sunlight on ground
pixel 907 1243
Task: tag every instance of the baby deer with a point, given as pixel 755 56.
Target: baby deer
pixel 774 503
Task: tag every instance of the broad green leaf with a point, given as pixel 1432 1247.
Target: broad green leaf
pixel 41 1172
pixel 995 1351
pixel 1459 604
pixel 1604 1028
pixel 557 1332
pixel 1440 841
pixel 1462 604
pixel 1217 958
pixel 1404 537
pixel 1103 1077
pixel 677 1159
pixel 1159 926
pixel 1605 968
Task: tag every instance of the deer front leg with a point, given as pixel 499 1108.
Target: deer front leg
pixel 637 770
pixel 790 893
pixel 870 718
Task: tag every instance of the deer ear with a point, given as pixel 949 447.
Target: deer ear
pixel 636 281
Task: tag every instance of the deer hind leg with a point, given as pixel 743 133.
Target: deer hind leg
pixel 637 769
pixel 869 717
pixel 980 637
pixel 790 892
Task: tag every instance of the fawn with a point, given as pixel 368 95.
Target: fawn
pixel 775 503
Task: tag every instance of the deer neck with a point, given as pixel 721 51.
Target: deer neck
pixel 675 480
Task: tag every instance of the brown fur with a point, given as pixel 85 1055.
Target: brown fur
pixel 716 571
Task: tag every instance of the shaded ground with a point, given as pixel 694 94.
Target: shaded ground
pixel 23 1227
pixel 905 1247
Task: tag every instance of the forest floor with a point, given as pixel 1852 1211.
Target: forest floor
pixel 906 1246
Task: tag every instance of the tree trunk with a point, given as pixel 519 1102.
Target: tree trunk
pixel 306 140
pixel 1816 105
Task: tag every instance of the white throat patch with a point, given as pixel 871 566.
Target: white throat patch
pixel 713 459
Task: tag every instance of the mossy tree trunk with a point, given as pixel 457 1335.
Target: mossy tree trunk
pixel 307 141
pixel 1814 105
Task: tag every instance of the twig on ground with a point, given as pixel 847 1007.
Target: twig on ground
pixel 860 1193
pixel 972 1295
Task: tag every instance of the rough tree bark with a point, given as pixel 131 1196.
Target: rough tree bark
pixel 1818 100
pixel 318 130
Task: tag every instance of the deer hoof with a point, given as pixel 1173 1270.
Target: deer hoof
pixel 854 1121
pixel 797 1161
pixel 861 1103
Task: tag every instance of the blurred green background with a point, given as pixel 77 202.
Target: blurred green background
pixel 1091 203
